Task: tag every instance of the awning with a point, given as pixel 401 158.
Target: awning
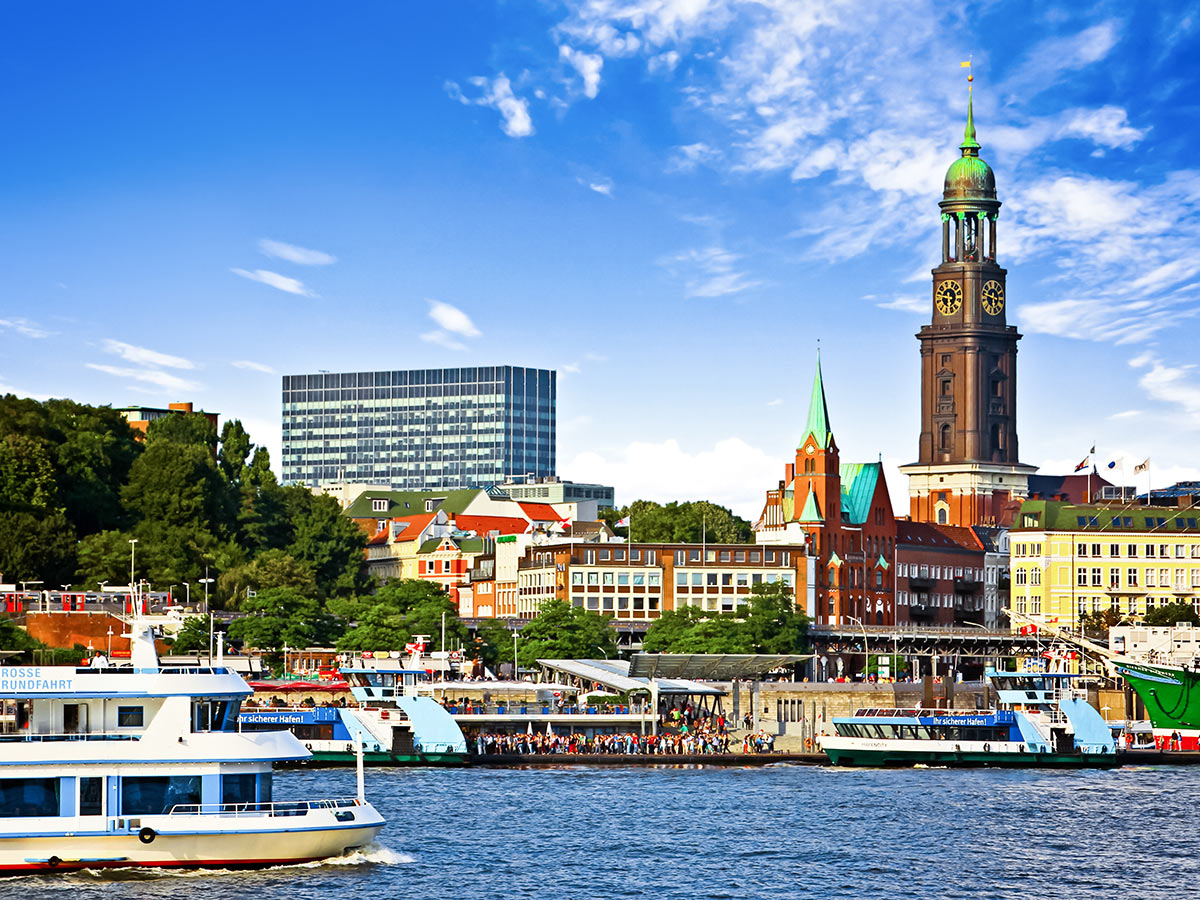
pixel 615 674
pixel 709 666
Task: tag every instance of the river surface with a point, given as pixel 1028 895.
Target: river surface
pixel 777 832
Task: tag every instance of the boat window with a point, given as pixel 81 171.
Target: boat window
pixel 155 794
pixel 130 716
pixel 215 715
pixel 21 797
pixel 264 787
pixel 91 796
pixel 240 788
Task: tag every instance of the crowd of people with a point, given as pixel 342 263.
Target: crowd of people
pixel 621 743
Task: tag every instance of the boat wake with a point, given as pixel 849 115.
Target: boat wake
pixel 373 854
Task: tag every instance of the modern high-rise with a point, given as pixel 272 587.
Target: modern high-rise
pixel 421 428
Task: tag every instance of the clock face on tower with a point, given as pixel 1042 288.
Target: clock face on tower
pixel 992 298
pixel 948 297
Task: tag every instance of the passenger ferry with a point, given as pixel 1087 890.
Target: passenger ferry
pixel 142 765
pixel 396 722
pixel 1041 720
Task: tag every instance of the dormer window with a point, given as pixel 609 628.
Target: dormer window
pixel 379 504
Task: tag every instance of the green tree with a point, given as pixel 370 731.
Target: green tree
pixel 36 539
pixel 103 556
pixel 234 452
pixel 178 484
pixel 283 617
pixel 772 622
pixel 1171 614
pixel 322 536
pixel 192 636
pixel 692 630
pixel 389 618
pixel 270 569
pixel 262 522
pixel 493 642
pixel 563 631
pixel 189 429
pixel 94 449
pixel 689 522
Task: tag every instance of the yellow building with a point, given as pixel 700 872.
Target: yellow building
pixel 1068 559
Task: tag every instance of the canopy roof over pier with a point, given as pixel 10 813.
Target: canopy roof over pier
pixel 709 666
pixel 615 674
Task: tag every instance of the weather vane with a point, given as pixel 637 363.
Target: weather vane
pixel 969 67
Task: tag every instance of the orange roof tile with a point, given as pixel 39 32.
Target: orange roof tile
pixel 541 512
pixel 481 525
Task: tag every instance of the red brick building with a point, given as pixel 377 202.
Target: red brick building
pixel 940 573
pixel 843 513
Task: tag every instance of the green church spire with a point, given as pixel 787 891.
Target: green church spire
pixel 969 146
pixel 818 413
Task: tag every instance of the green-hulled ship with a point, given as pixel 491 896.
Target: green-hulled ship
pixel 1171 695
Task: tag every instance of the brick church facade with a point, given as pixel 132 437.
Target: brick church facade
pixel 843 513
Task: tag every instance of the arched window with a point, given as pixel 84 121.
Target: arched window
pixel 944 437
pixel 997 438
pixel 942 516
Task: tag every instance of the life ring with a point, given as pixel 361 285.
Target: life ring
pixel 987 748
pixel 53 862
pixel 308 747
pixel 349 748
pixel 147 835
pixel 808 743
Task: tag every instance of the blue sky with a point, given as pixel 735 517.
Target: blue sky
pixel 669 201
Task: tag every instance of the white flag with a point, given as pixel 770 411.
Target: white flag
pixel 1142 466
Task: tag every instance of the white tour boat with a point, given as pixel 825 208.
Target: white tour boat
pixel 140 765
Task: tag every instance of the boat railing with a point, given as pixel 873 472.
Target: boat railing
pixel 910 712
pixel 543 709
pixel 260 809
pixel 73 736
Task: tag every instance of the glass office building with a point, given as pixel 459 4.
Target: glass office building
pixel 419 429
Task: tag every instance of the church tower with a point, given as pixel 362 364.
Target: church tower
pixel 967 471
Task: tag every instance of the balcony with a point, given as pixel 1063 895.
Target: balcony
pixel 921 583
pixel 967 584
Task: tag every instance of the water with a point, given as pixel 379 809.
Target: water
pixel 778 832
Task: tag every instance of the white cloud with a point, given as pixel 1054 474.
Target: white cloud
pixel 1125 414
pixel 453 319
pixel 497 94
pixel 569 369
pixel 1176 386
pixel 602 187
pixel 1107 126
pixel 275 280
pixel 709 272
pixel 588 65
pixel 778 401
pixel 25 327
pixel 905 303
pixel 689 157
pixel 6 388
pixel 299 255
pixel 253 366
pixel 595 357
pixel 143 356
pixel 731 473
pixel 442 339
pixel 167 382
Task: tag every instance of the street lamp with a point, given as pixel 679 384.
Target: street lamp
pixel 188 586
pixel 132 557
pixel 866 654
pixel 40 597
pixel 515 635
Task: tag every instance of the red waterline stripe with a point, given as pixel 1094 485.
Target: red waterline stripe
pixel 67 866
